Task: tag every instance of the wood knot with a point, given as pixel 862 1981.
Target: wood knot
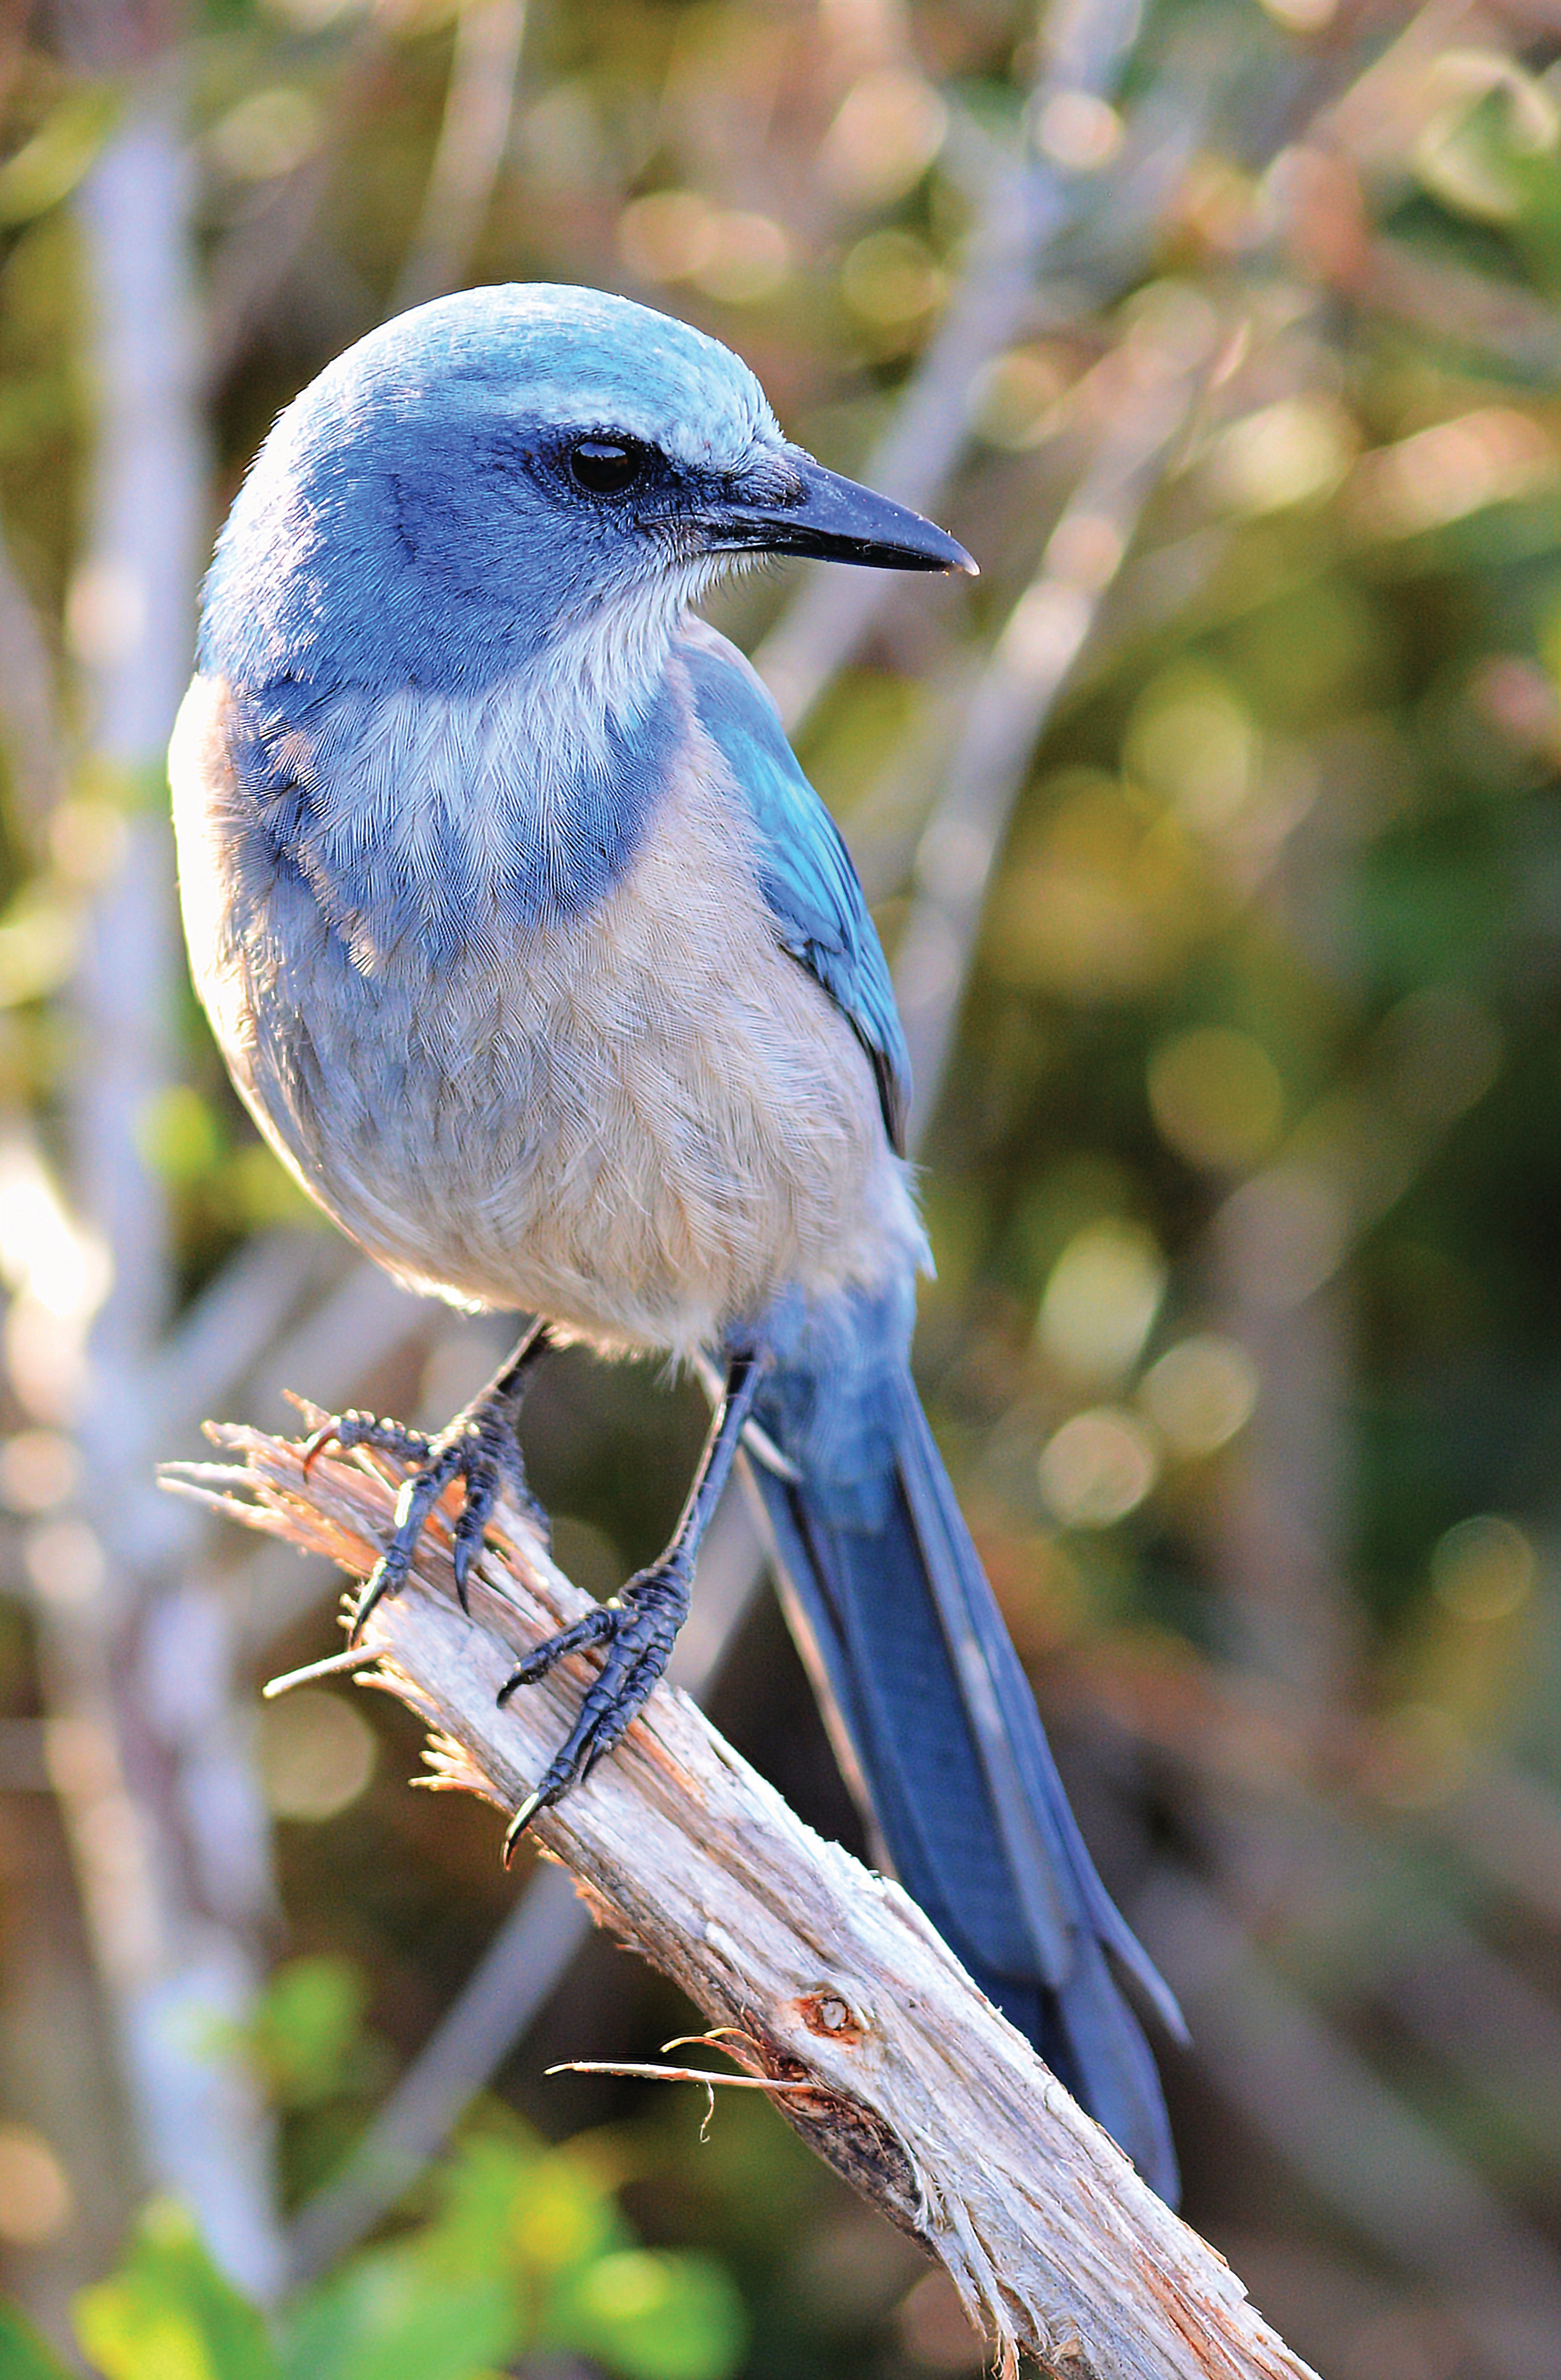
pixel 835 2019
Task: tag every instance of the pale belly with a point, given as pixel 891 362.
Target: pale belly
pixel 648 1122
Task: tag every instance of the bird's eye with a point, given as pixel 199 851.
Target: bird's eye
pixel 605 467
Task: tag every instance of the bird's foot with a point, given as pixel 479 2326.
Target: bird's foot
pixel 480 1447
pixel 346 1430
pixel 639 1629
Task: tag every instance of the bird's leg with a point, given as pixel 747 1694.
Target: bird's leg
pixel 640 1625
pixel 480 1446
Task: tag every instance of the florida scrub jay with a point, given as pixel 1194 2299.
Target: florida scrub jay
pixel 542 966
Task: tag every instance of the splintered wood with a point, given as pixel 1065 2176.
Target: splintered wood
pixel 824 1974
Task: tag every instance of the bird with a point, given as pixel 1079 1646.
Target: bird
pixel 544 970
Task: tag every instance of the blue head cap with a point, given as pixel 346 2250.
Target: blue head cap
pixel 414 516
pixel 511 476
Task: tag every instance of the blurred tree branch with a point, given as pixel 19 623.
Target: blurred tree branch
pixel 479 111
pixel 1084 47
pixel 135 1653
pixel 29 714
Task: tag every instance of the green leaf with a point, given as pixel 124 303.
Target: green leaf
pixel 23 2355
pixel 169 2311
pixel 305 2035
pixel 651 2316
pixel 510 2205
pixel 46 169
pixel 393 2314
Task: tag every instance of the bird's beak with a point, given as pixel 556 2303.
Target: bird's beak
pixel 834 521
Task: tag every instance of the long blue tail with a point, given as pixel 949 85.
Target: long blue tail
pixel 887 1595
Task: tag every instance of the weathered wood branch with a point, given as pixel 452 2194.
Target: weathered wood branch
pixel 920 2092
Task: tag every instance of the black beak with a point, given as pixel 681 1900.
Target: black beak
pixel 834 521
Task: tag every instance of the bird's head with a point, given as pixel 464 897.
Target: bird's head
pixel 505 472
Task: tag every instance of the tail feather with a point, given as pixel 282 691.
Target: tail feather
pixel 939 1731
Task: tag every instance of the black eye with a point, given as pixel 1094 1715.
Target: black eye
pixel 605 467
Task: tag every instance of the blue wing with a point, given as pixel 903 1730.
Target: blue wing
pixel 806 872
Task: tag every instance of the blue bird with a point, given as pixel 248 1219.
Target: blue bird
pixel 542 966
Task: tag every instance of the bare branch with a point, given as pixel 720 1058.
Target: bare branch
pixel 922 2095
pixel 522 1967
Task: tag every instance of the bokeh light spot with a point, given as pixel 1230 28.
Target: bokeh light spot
pixel 1079 130
pixel 1294 451
pixel 1216 1096
pixel 1494 454
pixel 669 236
pixel 891 278
pixel 1191 740
pixel 1099 901
pixel 1098 1468
pixel 271 132
pixel 39 1468
pixel 750 260
pixel 1018 396
pixel 629 2286
pixel 1200 1393
pixel 315 1753
pixel 65 1563
pixel 1101 1300
pixel 890 126
pixel 35 2196
pixel 1483 1568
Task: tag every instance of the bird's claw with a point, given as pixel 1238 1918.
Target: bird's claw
pixel 639 1629
pixel 346 1430
pixel 480 1447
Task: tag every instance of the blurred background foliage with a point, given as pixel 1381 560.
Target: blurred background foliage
pixel 1214 834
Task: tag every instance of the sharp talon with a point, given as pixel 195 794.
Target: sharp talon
pixel 518 1824
pixel 479 1448
pixel 637 1631
pixel 596 1626
pixel 466 1544
pixel 314 1445
pixel 374 1587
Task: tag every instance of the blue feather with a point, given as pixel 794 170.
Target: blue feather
pixel 806 874
pixel 326 785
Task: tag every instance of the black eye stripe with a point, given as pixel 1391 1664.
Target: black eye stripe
pixel 606 467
